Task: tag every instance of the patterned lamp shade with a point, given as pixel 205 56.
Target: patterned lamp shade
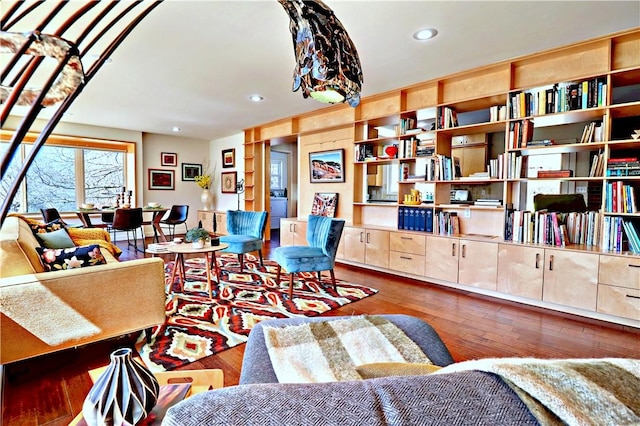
pixel 125 392
pixel 328 67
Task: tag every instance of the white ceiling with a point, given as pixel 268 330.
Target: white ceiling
pixel 193 64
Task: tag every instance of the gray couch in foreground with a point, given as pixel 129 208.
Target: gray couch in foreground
pixel 465 398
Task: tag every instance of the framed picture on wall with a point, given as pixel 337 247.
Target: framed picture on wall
pixel 326 166
pixel 324 204
pixel 228 158
pixel 168 159
pixel 161 179
pixel 229 181
pixel 190 171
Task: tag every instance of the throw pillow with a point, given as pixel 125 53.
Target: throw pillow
pixel 71 258
pixel 386 369
pixel 42 228
pixel 56 239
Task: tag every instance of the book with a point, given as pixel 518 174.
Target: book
pixel 555 173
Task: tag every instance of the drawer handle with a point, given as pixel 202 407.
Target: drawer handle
pixel 453 249
pixel 406 238
pixel 405 257
pixel 633 297
pixel 464 250
pixel 634 266
pixel 551 263
pixel 368 238
pixel 361 234
pixel 537 260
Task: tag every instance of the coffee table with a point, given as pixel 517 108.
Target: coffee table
pixel 208 250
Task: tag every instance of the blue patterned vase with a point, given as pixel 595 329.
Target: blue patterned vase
pixel 124 394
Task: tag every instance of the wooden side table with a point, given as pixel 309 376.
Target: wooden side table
pixel 181 249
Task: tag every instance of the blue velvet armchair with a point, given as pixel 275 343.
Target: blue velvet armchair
pixel 323 236
pixel 245 233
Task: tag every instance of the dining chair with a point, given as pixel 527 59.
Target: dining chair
pixel 323 237
pixel 177 215
pixel 51 214
pixel 128 220
pixel 245 232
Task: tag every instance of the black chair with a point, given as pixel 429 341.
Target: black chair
pixel 128 220
pixel 49 215
pixel 177 215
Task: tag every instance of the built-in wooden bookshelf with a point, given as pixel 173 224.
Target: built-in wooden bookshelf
pixel 582 99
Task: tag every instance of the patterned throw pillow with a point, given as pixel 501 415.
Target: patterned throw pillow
pixel 71 258
pixel 41 228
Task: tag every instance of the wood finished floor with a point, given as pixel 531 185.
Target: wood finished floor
pixel 50 390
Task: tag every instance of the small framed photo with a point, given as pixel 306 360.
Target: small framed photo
pixel 326 166
pixel 190 171
pixel 228 158
pixel 168 159
pixel 229 181
pixel 161 179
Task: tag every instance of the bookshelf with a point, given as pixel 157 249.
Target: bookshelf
pixel 487 109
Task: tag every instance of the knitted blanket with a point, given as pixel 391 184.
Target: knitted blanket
pixel 329 351
pixel 572 391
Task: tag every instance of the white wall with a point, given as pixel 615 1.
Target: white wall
pixel 224 202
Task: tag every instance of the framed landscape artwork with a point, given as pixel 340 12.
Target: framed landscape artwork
pixel 190 171
pixel 168 159
pixel 324 204
pixel 326 166
pixel 229 181
pixel 228 158
pixel 161 179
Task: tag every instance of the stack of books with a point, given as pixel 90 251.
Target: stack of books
pixel 160 247
pixel 629 166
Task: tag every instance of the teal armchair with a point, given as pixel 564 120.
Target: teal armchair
pixel 323 236
pixel 245 233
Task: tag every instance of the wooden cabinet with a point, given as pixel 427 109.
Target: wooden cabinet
pixel 570 278
pixel 520 270
pixel 478 264
pixel 207 218
pixel 442 258
pixel 407 252
pixel 293 232
pixel 619 286
pixel 368 246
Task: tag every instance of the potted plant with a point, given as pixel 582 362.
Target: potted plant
pixel 197 236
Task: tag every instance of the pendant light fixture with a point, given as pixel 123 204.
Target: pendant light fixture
pixel 328 67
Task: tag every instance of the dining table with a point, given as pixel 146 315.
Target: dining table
pixel 157 213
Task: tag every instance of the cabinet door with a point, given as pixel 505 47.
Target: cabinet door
pixel 570 278
pixel 520 270
pixel 221 224
pixel 206 218
pixel 442 259
pixel 353 240
pixel 287 229
pixel 300 233
pixel 377 248
pixel 478 264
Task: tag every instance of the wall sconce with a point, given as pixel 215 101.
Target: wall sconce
pixel 328 67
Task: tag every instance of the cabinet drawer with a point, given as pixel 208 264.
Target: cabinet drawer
pixel 623 271
pixel 408 243
pixel 406 262
pixel 619 301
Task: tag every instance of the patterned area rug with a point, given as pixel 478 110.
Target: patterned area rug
pixel 197 327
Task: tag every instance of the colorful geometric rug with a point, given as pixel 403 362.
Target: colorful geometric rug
pixel 197 327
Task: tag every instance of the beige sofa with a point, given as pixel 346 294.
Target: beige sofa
pixel 43 312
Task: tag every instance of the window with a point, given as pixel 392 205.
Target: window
pixel 276 175
pixel 67 172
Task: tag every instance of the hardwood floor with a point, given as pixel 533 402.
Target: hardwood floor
pixel 50 390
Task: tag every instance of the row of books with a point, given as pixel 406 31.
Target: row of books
pixel 593 132
pixel 629 166
pixel 404 125
pixel 497 113
pixel 362 151
pixel 553 228
pixel 520 133
pixel 411 148
pixel 441 167
pixel 447 117
pixel 620 198
pixel 597 165
pixel 415 219
pixel 559 98
pixel 446 223
pixel 619 235
pixel 507 166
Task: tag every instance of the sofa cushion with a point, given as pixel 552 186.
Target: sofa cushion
pixel 387 369
pixel 71 258
pixel 55 239
pixel 18 255
pixel 469 398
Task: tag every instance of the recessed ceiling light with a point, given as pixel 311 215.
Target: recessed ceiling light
pixel 256 98
pixel 425 34
pixel 175 129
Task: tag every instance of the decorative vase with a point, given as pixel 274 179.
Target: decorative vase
pixel 125 392
pixel 207 199
pixel 198 244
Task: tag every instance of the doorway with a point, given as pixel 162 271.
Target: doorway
pixel 282 184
